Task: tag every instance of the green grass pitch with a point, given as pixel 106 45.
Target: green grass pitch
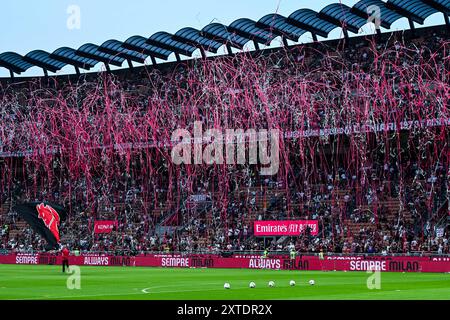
pixel 122 283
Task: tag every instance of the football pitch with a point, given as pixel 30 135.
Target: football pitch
pixel 128 283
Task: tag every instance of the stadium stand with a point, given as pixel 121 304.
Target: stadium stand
pixel 377 192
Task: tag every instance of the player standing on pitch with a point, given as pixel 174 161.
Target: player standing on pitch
pixel 293 254
pixel 65 259
pixel 321 258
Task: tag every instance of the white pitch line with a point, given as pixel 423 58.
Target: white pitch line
pixel 83 296
pixel 121 294
pixel 145 290
pixel 118 294
pixel 200 290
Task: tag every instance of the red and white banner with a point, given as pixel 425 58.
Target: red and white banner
pixel 284 227
pixel 104 226
pixel 317 132
pixel 281 262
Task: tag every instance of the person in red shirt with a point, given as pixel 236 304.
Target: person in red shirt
pixel 65 259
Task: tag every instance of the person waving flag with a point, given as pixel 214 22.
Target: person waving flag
pixel 45 219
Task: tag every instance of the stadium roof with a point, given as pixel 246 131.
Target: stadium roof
pixel 242 31
pixel 220 33
pixel 280 26
pixel 386 16
pixel 70 56
pixel 195 38
pixel 115 47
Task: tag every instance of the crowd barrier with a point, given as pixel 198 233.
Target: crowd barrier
pixel 281 262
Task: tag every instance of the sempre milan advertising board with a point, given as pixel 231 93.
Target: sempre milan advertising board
pixel 305 263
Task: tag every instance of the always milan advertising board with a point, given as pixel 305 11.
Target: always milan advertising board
pixel 282 262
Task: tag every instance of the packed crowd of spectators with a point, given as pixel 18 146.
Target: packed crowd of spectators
pixel 205 228
pixel 206 215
